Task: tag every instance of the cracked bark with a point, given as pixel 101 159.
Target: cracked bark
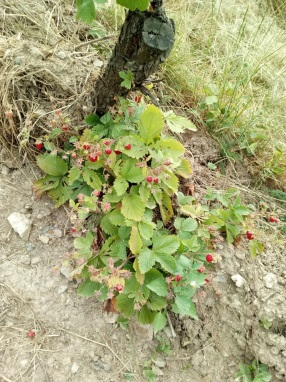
pixel 146 40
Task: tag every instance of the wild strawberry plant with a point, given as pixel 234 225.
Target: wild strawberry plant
pixel 141 245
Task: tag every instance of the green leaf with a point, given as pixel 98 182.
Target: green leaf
pixel 171 147
pixel 144 192
pixel 85 10
pixel 168 263
pixel 60 194
pixel 46 183
pixel 185 306
pixel 159 322
pixel 55 133
pixel 120 185
pixel 138 147
pixel 74 174
pixel 146 229
pixel 171 181
pixel 132 207
pixel 125 305
pixel 127 77
pixel 151 124
pixel 92 120
pixel 145 316
pixel 156 302
pixel 188 224
pixel 107 226
pixel 165 244
pixel 158 286
pixel 255 248
pixel 131 172
pixel 178 124
pixel 91 178
pixel 87 288
pixel 166 208
pixel 52 164
pixel 184 169
pixel 141 5
pixel 146 260
pixel 135 243
pixel 83 244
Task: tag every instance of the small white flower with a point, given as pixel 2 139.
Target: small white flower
pixel 193 284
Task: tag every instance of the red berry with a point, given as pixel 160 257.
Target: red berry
pixel 249 235
pixel 86 146
pixel 65 127
pixel 167 163
pixel 156 180
pixel 149 179
pixel 106 143
pixel 137 99
pixel 73 229
pixel 9 114
pixel 93 158
pixel 58 111
pixel 96 193
pixel 117 152
pixel 273 219
pixel 209 258
pixel 73 155
pixel 39 145
pixel 128 146
pixel 119 287
pixel 201 269
pixel 31 333
pixel 178 278
pixel 207 281
pixel 108 151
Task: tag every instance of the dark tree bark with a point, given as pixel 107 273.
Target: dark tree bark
pixel 146 39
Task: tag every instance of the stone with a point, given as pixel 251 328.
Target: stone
pixel 62 289
pixel 159 362
pixel 62 55
pixel 35 260
pixel 74 368
pixel 20 224
pixel 238 280
pixel 270 280
pixel 44 239
pixel 57 232
pixel 24 259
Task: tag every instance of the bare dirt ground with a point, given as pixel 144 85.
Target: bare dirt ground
pixel 43 67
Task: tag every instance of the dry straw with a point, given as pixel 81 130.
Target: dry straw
pixel 44 65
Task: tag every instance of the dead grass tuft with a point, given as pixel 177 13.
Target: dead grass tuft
pixel 44 65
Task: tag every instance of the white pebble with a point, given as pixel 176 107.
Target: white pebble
pixel 238 280
pixel 74 368
pixel 20 224
pixel 270 280
pixel 44 239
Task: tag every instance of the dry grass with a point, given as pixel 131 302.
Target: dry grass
pixel 44 65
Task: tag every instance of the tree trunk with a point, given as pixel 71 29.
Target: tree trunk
pixel 146 39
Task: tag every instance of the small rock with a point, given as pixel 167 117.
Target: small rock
pixel 159 362
pixel 66 270
pixel 57 232
pixel 35 260
pixel 62 55
pixel 97 63
pixel 20 224
pixel 101 365
pixel 240 253
pixel 158 372
pixel 270 280
pixel 74 368
pixel 29 247
pixel 4 170
pixel 238 280
pixel 44 239
pixel 24 259
pixel 62 289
